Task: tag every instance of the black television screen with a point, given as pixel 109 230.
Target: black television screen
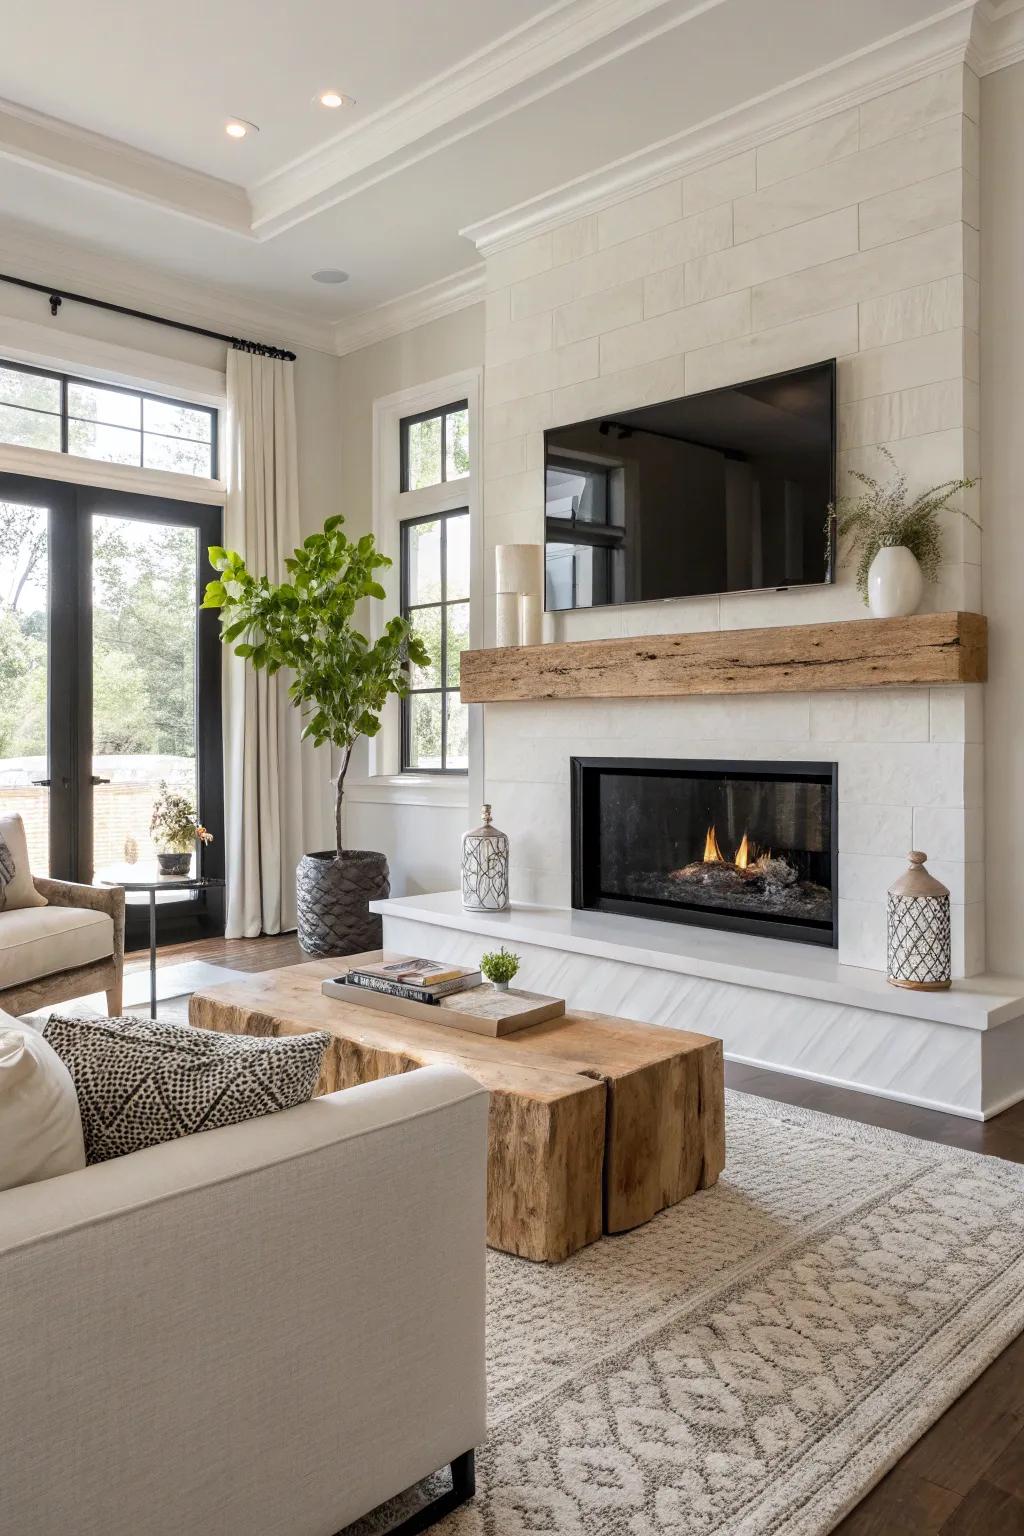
pixel 726 491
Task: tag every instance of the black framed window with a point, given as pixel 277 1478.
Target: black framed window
pixel 56 411
pixel 435 597
pixel 435 446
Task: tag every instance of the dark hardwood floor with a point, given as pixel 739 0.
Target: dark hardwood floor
pixel 965 1477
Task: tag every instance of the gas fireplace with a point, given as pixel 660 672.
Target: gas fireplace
pixel 746 846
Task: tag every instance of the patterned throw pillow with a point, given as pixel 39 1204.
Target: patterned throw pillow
pixel 16 887
pixel 140 1082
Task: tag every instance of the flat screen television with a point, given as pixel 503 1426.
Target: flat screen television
pixel 725 491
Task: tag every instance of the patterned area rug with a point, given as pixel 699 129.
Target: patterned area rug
pixel 751 1362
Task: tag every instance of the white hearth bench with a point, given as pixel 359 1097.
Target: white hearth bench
pixel 788 1007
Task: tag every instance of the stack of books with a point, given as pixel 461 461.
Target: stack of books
pixel 415 979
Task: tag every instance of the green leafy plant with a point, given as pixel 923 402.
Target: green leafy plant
pixel 499 965
pixel 174 825
pixel 883 516
pixel 340 682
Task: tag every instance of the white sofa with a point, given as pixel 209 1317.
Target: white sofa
pixel 265 1330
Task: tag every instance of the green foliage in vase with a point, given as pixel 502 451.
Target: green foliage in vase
pixel 340 682
pixel 883 516
pixel 499 964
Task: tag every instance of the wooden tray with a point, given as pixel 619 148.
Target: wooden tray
pixel 478 1010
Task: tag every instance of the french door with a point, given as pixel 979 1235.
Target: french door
pixel 109 683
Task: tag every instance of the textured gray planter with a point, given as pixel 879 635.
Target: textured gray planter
pixel 333 893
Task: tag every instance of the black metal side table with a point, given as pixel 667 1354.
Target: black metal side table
pixel 147 877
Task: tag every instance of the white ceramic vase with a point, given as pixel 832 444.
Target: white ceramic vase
pixel 895 584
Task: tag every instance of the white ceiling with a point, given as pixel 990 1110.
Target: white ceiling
pixel 112 138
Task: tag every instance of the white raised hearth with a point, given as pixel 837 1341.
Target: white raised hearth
pixel 789 1007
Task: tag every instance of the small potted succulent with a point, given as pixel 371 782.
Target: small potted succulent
pixel 897 538
pixel 175 829
pixel 499 967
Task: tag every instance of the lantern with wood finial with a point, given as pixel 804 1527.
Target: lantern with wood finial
pixel 485 868
pixel 918 949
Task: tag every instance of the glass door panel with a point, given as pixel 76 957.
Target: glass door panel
pixel 143 682
pixel 24 604
pixel 109 683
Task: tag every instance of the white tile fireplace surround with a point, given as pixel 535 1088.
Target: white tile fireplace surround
pixel 790 1007
pixel 855 236
pixel 909 776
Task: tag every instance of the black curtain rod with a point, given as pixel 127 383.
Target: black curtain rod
pixel 57 296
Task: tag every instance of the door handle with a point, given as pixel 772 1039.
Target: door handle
pixel 95 780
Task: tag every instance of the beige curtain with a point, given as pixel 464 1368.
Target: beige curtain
pixel 262 765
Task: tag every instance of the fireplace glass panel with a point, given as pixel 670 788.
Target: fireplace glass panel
pixel 746 846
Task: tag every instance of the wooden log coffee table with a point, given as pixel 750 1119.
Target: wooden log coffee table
pixel 596 1123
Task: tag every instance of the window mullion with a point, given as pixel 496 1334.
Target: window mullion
pixel 64 413
pixel 444 631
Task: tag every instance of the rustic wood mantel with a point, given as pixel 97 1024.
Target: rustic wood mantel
pixel 921 651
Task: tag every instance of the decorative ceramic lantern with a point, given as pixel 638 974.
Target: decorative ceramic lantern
pixel 918 951
pixel 485 868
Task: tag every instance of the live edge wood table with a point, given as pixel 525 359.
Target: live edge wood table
pixel 596 1123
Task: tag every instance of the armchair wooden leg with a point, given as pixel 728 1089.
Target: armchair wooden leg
pixel 115 1000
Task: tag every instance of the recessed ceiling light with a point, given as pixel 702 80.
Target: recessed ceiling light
pixel 238 127
pixel 331 99
pixel 330 275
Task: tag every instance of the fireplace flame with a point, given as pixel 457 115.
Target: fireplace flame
pixel 712 852
pixel 743 858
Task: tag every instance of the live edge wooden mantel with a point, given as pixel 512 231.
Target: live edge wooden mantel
pixel 923 650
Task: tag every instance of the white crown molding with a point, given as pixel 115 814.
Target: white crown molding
pixel 997 39
pixel 431 302
pixel 545 54
pixel 894 61
pixel 32 138
pixel 569 38
pixel 541 56
pixel 30 253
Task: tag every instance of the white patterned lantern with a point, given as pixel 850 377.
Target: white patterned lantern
pixel 485 868
pixel 918 950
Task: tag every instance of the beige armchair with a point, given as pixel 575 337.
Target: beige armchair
pixel 69 948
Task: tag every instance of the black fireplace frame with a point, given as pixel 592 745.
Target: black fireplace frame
pixel 583 778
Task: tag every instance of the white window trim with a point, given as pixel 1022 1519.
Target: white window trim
pixel 22 341
pixel 391 506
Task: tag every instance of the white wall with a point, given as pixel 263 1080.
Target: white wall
pixel 420 829
pixel 857 238
pixel 1002 393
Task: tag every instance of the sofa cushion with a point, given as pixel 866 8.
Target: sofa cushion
pixel 40 1123
pixel 39 941
pixel 140 1082
pixel 16 887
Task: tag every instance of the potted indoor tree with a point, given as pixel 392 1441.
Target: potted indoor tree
pixel 897 538
pixel 340 683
